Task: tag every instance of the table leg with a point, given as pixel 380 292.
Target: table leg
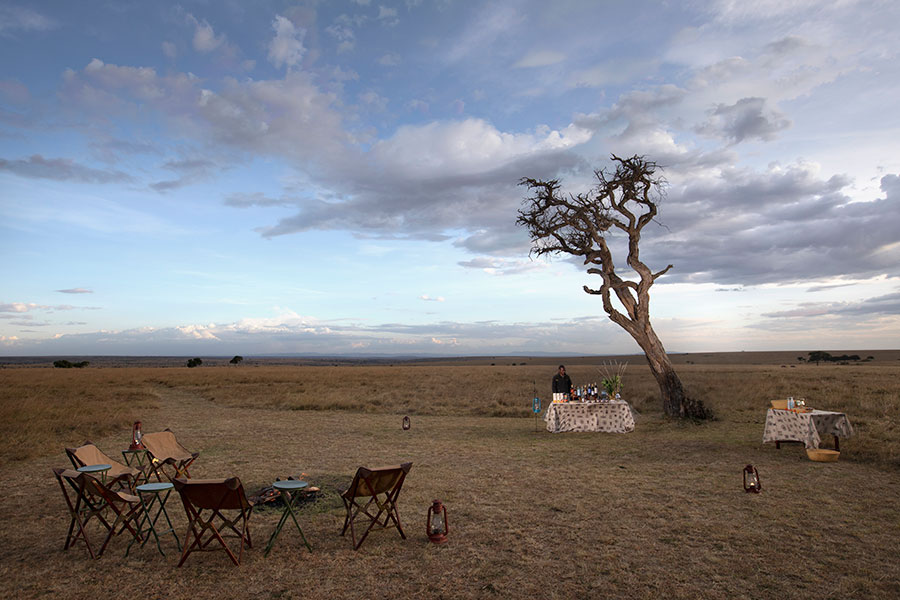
pixel 837 444
pixel 288 511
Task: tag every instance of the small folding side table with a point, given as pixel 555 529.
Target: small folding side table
pixel 286 487
pixel 139 459
pixel 155 491
pixel 94 469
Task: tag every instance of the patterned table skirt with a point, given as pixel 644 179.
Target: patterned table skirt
pixel 786 425
pixel 609 417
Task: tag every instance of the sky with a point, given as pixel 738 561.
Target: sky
pixel 340 177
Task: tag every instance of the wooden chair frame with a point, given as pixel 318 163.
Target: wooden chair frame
pixel 160 459
pixel 92 500
pixel 380 487
pixel 119 475
pixel 204 501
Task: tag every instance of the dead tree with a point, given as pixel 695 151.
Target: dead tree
pixel 624 200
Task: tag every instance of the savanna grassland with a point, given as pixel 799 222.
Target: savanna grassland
pixel 659 512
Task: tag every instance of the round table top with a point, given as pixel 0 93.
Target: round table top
pixel 94 468
pixel 155 487
pixel 290 485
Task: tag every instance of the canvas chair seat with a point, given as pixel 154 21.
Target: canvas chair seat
pixel 118 474
pixel 204 502
pixel 168 457
pixel 379 487
pixel 92 500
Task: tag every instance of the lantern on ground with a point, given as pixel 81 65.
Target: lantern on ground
pixel 436 526
pixel 406 423
pixel 751 480
pixel 136 436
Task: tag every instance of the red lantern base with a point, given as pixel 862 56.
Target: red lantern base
pixel 437 538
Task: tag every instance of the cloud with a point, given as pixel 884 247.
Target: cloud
pixel 169 49
pixel 17 18
pixel 426 180
pixel 745 119
pixel 291 333
pixel 286 48
pixel 205 38
pixel 76 291
pixel 500 266
pixel 246 200
pixel 24 307
pixel 374 101
pixel 14 91
pixel 389 60
pixel 888 304
pixel 540 58
pixel 190 170
pixel 61 169
pixel 783 224
pixel 388 16
pixel 428 298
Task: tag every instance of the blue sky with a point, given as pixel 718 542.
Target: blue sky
pixel 223 178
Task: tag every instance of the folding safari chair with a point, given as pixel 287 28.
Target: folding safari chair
pixel 118 474
pixel 379 487
pixel 92 500
pixel 204 501
pixel 165 450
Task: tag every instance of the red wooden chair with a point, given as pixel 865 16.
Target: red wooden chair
pixel 379 487
pixel 204 501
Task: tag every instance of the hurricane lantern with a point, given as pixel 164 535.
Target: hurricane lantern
pixel 436 526
pixel 136 436
pixel 751 480
pixel 536 405
pixel 406 423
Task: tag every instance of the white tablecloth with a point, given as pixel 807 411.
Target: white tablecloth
pixel 610 417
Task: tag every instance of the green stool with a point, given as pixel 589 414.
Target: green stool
pixel 155 491
pixel 286 487
pixel 138 459
pixel 94 469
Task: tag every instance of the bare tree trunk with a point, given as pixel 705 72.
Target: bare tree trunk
pixel 676 402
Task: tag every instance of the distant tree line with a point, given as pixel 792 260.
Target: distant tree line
pixel 65 364
pixel 818 356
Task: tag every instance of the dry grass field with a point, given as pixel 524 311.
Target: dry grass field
pixel 657 513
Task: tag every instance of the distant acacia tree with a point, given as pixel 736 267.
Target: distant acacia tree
pixel 818 356
pixel 194 362
pixel 623 200
pixel 236 359
pixel 65 364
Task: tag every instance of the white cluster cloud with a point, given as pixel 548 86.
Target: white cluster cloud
pixel 286 48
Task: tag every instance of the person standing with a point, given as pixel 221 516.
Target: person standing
pixel 562 383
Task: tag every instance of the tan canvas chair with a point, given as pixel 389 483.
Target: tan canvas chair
pixel 118 474
pixel 165 451
pixel 92 501
pixel 379 487
pixel 204 501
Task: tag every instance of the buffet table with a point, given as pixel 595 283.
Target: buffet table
pixel 611 417
pixel 805 427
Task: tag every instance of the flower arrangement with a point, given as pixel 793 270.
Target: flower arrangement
pixel 612 377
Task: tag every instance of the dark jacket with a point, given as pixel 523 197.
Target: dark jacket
pixel 562 384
